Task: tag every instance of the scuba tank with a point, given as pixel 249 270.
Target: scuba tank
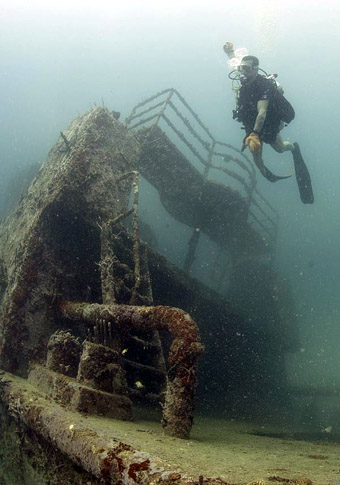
pixel 281 105
pixel 273 78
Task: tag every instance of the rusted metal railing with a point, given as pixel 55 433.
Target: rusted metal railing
pixel 183 355
pixel 215 157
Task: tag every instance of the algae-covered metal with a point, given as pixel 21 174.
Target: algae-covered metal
pixel 59 245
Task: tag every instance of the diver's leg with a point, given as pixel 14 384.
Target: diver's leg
pixel 281 146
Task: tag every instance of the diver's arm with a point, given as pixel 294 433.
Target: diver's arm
pixel 262 107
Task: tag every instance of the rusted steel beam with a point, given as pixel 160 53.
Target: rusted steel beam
pixel 183 355
pixel 108 460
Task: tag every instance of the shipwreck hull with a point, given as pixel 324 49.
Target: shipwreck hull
pixel 50 244
pixel 83 301
pixel 59 261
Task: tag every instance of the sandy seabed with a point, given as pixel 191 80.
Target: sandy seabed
pixel 232 451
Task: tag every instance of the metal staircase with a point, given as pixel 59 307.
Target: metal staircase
pixel 176 144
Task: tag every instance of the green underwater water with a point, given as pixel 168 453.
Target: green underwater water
pixel 58 60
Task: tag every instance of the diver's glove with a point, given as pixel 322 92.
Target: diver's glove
pixel 253 142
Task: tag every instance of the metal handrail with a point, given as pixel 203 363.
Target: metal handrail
pixel 267 217
pixel 184 140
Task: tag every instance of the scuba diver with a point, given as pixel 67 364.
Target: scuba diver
pixel 264 111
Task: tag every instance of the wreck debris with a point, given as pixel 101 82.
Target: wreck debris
pixel 78 397
pixel 115 114
pixel 63 353
pixel 102 334
pixel 94 382
pixel 98 366
pixel 142 356
pixel 183 354
pixel 106 460
pixel 291 481
pixel 258 482
pixel 106 265
pixel 68 148
pixel 107 254
pixel 190 257
pixel 3 280
pixel 136 250
pixel 136 256
pixel 148 297
pixel 122 216
pixel 50 245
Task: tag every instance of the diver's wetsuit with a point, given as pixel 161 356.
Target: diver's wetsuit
pixel 250 93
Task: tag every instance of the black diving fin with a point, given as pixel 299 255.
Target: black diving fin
pixel 302 177
pixel 272 177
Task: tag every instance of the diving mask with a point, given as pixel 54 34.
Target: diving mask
pixel 245 68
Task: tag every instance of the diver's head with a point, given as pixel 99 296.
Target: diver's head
pixel 249 67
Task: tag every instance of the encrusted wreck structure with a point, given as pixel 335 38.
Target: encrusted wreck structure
pixel 96 320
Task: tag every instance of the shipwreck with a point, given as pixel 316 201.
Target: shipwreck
pixel 95 319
